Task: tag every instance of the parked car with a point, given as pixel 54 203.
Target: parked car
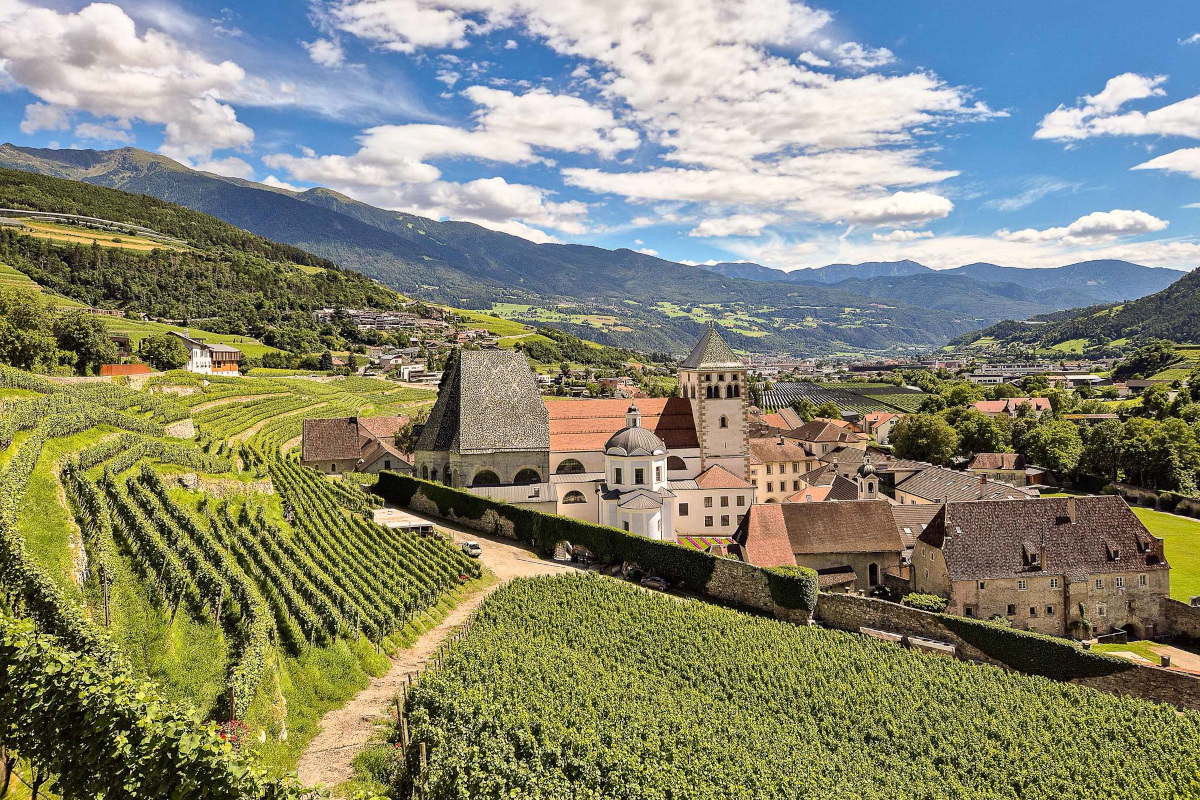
pixel 472 549
pixel 654 582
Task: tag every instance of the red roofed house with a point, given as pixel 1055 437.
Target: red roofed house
pixel 848 543
pixel 820 436
pixel 1011 406
pixel 879 424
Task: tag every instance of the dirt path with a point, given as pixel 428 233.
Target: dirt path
pixel 345 731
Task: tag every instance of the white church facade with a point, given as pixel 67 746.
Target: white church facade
pixel 662 468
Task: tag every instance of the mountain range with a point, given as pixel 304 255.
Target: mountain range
pixel 618 297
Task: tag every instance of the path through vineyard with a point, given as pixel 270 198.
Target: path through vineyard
pixel 345 730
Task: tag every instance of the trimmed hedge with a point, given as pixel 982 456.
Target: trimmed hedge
pixel 678 563
pixel 1034 653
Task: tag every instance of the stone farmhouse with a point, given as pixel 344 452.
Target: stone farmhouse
pixel 1010 407
pixel 352 444
pixel 1045 564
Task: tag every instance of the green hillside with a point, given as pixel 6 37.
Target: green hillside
pixel 1173 314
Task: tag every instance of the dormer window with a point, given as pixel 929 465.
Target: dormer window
pixel 1114 552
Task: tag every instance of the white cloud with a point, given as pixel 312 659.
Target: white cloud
pixel 232 166
pixel 114 133
pixel 41 117
pixel 647 251
pixel 1193 39
pixel 326 52
pixel 1035 189
pixel 901 236
pixel 705 81
pixel 95 61
pixel 1097 115
pixel 1097 226
pixel 275 182
pixel 1186 161
pixel 736 225
pixel 511 44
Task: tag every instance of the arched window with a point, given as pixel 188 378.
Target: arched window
pixel 574 497
pixel 693 392
pixel 724 422
pixel 729 390
pixel 873 574
pixel 569 466
pixel 675 462
pixel 433 475
pixel 485 477
pixel 528 475
pixel 425 472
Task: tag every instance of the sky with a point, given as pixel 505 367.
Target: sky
pixel 791 134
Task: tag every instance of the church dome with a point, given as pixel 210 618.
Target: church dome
pixel 634 441
pixel 866 469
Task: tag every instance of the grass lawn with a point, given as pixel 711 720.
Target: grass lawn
pixel 137 330
pixel 13 279
pixel 1181 537
pixel 1137 648
pixel 73 234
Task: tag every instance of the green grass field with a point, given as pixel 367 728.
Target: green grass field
pixel 137 330
pixel 1071 346
pixel 1181 538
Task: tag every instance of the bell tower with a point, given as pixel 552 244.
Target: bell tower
pixel 713 379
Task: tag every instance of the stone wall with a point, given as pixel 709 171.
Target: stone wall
pixel 1180 689
pixel 1180 619
pixel 849 612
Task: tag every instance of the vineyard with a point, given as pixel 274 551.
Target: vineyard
pixel 166 578
pixel 850 398
pixel 580 687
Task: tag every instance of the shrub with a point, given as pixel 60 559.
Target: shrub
pixel 925 602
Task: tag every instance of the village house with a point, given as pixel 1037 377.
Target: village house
pixel 1006 468
pixel 208 359
pixel 352 444
pixel 822 435
pixel 1046 564
pixel 777 465
pixel 879 424
pixel 850 544
pixel 1011 406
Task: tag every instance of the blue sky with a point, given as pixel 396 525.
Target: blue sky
pixel 792 134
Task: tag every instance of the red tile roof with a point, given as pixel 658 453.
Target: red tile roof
pixel 717 477
pixel 1010 405
pixel 824 431
pixel 330 439
pixel 382 427
pixel 774 449
pixel 586 424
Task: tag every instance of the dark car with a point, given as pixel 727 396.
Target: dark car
pixel 654 582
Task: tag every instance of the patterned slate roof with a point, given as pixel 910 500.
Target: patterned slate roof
pixel 842 489
pixel 858 526
pixel 580 425
pixel 711 352
pixel 488 401
pixel 989 539
pixel 382 427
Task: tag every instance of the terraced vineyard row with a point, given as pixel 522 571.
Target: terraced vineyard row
pixel 581 687
pixel 870 399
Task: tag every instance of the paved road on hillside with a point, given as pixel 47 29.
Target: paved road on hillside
pixel 346 730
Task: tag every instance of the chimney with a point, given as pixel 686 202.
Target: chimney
pixel 982 486
pixel 1071 509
